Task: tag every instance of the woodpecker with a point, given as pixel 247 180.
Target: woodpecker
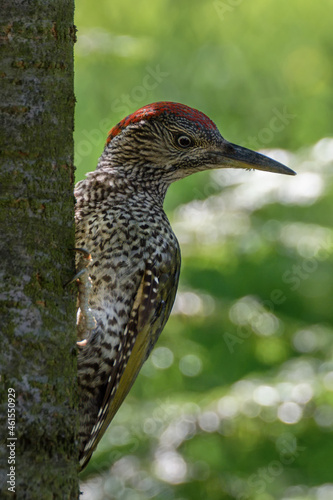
pixel 134 267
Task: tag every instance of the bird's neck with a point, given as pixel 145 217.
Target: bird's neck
pixel 128 178
pixel 133 180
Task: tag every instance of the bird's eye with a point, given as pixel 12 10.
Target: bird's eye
pixel 184 141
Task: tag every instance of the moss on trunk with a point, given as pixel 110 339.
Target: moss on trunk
pixel 37 315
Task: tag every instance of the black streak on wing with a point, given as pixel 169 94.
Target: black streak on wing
pixel 151 308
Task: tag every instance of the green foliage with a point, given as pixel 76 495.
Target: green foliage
pixel 240 62
pixel 236 400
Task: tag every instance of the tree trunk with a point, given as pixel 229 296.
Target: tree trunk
pixel 38 453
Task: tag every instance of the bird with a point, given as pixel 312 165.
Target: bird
pixel 128 251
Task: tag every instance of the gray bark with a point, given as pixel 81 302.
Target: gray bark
pixel 37 314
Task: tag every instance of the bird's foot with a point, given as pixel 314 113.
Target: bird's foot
pixel 83 262
pixel 86 322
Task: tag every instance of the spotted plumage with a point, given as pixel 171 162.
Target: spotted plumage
pixel 134 270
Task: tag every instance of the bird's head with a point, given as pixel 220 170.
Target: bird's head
pixel 172 141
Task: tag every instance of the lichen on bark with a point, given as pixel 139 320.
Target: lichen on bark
pixel 37 314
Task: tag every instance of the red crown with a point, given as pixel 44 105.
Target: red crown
pixel 156 109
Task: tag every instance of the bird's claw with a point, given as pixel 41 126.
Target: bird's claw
pixel 83 263
pixel 85 320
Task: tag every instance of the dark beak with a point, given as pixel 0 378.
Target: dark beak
pixel 238 157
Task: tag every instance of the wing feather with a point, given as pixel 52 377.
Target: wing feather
pixel 151 308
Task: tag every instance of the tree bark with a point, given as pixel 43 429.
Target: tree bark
pixel 38 451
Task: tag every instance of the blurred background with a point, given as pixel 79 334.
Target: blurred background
pixel 235 401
